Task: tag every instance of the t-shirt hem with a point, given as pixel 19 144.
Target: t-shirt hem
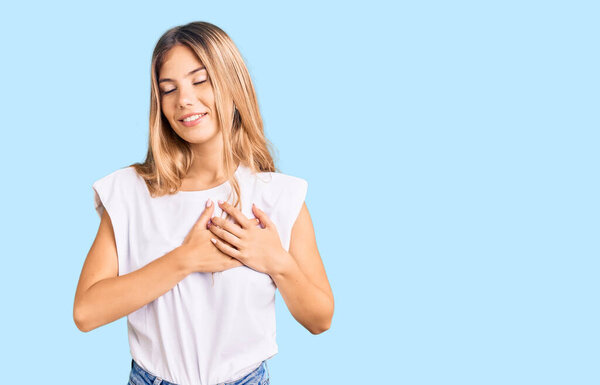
pixel 266 356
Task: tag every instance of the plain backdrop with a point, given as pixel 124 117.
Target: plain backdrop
pixel 451 154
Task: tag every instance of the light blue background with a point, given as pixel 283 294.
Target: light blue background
pixel 451 151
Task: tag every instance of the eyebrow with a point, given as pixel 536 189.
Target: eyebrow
pixel 189 73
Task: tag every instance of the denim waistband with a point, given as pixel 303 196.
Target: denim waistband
pixel 139 374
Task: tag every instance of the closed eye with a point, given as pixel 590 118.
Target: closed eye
pixel 168 92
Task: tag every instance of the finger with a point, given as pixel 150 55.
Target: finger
pixel 231 227
pixel 236 214
pixel 225 235
pixel 225 248
pixel 234 262
pixel 264 219
pixel 209 207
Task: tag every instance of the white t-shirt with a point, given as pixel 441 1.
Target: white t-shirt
pixel 202 331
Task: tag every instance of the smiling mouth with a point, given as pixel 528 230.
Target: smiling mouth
pixel 193 120
pixel 193 117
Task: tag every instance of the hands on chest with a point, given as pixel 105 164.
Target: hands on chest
pixel 252 241
pixel 217 244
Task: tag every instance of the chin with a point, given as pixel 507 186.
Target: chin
pixel 200 136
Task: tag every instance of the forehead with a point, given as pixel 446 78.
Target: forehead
pixel 178 61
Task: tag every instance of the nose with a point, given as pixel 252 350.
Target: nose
pixel 186 96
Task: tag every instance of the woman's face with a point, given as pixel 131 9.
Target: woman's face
pixel 186 92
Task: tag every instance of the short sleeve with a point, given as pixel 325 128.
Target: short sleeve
pixel 104 194
pixel 290 202
pixel 109 195
pixel 98 191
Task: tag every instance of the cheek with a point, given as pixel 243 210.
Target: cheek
pixel 166 110
pixel 207 96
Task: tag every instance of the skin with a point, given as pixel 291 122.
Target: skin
pixel 190 94
pixel 299 274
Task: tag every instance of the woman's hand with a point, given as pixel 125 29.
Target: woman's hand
pixel 256 246
pixel 200 254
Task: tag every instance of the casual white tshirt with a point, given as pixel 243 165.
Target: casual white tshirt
pixel 203 331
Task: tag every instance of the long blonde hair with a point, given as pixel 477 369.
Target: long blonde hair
pixel 169 157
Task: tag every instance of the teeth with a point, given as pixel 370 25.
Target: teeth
pixel 193 117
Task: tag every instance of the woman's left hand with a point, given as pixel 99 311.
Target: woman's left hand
pixel 256 246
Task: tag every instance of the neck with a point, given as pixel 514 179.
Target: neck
pixel 207 167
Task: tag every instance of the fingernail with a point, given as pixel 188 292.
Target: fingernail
pixel 208 202
pixel 220 202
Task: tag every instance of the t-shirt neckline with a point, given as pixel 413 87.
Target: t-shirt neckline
pixel 212 189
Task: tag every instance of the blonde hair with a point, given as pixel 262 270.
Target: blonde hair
pixel 169 157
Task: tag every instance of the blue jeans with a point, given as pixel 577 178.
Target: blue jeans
pixel 138 376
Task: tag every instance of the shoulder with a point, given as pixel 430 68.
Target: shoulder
pixel 270 184
pixel 116 185
pixel 111 191
pixel 280 181
pixel 120 176
pixel 283 189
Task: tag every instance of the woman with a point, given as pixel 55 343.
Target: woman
pixel 163 229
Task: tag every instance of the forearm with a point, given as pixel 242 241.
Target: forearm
pixel 113 298
pixel 309 305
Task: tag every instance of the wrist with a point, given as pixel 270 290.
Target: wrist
pixel 180 257
pixel 282 264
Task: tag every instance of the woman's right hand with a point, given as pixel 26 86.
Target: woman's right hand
pixel 201 255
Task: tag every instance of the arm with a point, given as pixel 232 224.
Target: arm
pixel 100 298
pixel 301 278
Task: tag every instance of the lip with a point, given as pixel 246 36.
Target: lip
pixel 193 113
pixel 193 122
